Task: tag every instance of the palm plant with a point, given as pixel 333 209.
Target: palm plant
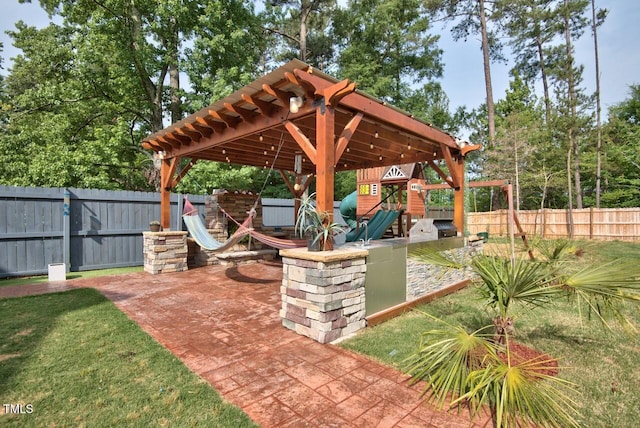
pixel 470 366
pixel 480 373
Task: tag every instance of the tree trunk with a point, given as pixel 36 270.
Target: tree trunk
pixel 569 188
pixel 598 107
pixel 174 76
pixel 545 83
pixel 305 10
pixel 517 173
pixel 573 142
pixel 152 91
pixel 487 74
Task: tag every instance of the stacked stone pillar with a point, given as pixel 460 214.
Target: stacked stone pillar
pixel 165 251
pixel 323 293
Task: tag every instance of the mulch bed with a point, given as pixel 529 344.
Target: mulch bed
pixel 521 353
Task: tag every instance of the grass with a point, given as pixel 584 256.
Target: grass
pixel 602 363
pixel 70 275
pixel 79 361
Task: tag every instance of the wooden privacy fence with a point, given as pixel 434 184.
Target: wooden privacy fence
pixel 606 224
pixel 89 229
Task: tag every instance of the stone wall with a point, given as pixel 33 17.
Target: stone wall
pixel 165 251
pixel 236 204
pixel 423 278
pixel 323 295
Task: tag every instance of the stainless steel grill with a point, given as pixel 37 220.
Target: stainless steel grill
pixel 446 228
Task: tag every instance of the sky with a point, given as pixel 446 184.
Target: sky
pixel 463 78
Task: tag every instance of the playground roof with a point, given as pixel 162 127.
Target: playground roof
pixel 248 126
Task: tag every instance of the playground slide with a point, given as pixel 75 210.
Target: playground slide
pixel 365 232
pixel 378 231
pixel 348 208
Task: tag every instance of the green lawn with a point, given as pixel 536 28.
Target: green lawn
pixel 70 275
pixel 79 361
pixel 604 364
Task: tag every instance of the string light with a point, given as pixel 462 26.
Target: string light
pixel 409 146
pixel 261 137
pixel 401 155
pixel 273 147
pixel 380 157
pixel 348 150
pixel 265 152
pixel 224 152
pixel 371 145
pixel 376 134
pixel 228 160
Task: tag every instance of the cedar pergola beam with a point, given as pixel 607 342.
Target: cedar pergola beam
pixel 441 173
pixel 245 114
pixel 209 123
pixel 302 140
pixel 451 166
pixel 282 96
pixel 346 134
pixel 264 107
pixel 226 119
pixel 380 112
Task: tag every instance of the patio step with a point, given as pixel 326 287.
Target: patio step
pixel 245 257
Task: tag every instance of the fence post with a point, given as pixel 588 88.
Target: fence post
pixel 179 216
pixel 66 229
pixel 590 222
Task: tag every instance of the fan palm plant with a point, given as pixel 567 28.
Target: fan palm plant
pixel 469 366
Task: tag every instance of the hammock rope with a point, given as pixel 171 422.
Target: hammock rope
pixel 201 235
pixel 272 241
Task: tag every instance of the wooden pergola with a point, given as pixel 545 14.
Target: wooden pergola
pixel 316 125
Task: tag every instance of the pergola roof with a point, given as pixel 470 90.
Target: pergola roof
pixel 248 127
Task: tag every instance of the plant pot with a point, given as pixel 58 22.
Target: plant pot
pixel 155 227
pixel 314 245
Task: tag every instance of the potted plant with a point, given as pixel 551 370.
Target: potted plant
pixel 315 226
pixel 154 226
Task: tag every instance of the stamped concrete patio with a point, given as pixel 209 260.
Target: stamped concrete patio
pixel 223 323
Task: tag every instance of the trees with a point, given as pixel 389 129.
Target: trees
pixel 385 46
pixel 301 30
pixel 85 92
pixel 474 16
pixel 621 166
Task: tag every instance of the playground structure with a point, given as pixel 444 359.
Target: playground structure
pixel 393 188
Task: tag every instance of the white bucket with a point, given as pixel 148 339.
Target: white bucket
pixel 57 272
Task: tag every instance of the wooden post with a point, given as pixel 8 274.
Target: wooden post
pixel 165 194
pixel 325 159
pixel 458 196
pixel 66 230
pixel 511 221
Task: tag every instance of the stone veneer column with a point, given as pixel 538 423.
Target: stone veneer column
pixel 165 251
pixel 323 292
